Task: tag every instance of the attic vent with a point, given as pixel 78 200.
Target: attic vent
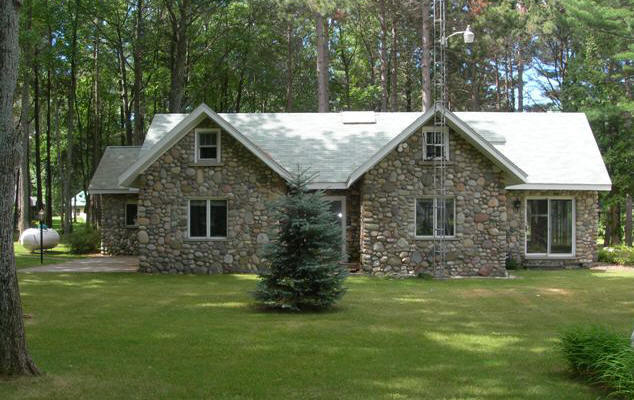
pixel 358 117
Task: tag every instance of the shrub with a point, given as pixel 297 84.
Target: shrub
pixel 84 240
pixel 583 347
pixel 511 263
pixel 305 272
pixel 621 254
pixel 617 372
pixel 602 356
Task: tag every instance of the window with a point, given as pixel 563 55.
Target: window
pixel 207 218
pixel 130 213
pixel 436 145
pixel 435 217
pixel 549 226
pixel 208 145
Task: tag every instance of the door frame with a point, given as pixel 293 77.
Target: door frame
pixel 344 223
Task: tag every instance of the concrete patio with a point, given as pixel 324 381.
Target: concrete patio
pixel 92 264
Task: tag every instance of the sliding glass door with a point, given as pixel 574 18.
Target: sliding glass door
pixel 550 227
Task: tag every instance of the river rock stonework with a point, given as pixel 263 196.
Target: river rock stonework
pixel 586 228
pixel 388 245
pixel 116 238
pixel 165 188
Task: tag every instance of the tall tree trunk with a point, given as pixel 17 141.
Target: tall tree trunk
pixel 137 89
pixel 67 195
pixel 126 114
pixel 383 54
pixel 14 356
pixel 520 81
pixel 497 85
pixel 394 63
pixel 426 56
pixel 60 161
pixel 24 220
pixel 321 29
pixel 475 92
pixel 178 54
pixel 408 88
pixel 94 126
pixel 289 64
pixel 49 177
pixel 628 220
pixel 36 118
pixel 614 212
pixel 240 88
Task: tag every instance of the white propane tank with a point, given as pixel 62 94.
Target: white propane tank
pixel 30 238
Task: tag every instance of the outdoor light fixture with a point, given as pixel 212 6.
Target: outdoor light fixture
pixel 467 35
pixel 517 204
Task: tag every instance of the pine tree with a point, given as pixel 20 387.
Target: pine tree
pixel 305 272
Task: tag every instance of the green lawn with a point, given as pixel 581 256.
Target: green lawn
pixel 61 253
pixel 105 336
pixel 25 258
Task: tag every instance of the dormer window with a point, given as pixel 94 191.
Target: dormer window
pixel 436 145
pixel 208 145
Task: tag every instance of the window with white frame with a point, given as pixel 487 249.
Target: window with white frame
pixel 131 210
pixel 436 145
pixel 435 217
pixel 207 219
pixel 550 226
pixel 208 145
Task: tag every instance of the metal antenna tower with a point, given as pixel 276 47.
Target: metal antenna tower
pixel 439 136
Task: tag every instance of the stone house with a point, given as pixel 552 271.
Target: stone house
pixel 521 186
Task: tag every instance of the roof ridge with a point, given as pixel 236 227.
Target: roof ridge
pixel 125 147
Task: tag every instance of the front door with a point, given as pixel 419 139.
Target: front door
pixel 338 208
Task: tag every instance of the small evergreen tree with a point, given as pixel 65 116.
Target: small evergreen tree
pixel 305 272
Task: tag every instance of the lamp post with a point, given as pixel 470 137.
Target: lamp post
pixel 467 35
pixel 40 215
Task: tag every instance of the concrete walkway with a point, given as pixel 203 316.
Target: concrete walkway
pixel 91 264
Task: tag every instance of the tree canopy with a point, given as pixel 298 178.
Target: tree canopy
pixel 93 73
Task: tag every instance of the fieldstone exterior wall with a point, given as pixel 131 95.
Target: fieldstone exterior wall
pixel 166 186
pixel 380 208
pixel 388 194
pixel 116 238
pixel 586 228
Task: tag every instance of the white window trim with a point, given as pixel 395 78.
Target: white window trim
pixel 125 214
pixel 344 219
pixel 208 222
pixel 548 254
pixel 197 133
pixel 427 129
pixel 435 225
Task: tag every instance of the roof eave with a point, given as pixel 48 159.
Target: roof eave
pixel 599 187
pixel 113 191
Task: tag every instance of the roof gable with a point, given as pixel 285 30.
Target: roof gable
pixel 181 129
pixel 471 136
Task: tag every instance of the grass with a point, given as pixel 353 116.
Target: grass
pixel 61 253
pixel 25 258
pixel 103 336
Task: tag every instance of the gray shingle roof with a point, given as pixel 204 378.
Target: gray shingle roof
pixel 115 160
pixel 552 148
